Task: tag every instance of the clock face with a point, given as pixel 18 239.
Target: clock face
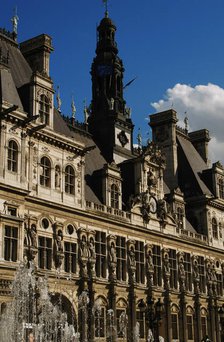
pixel 153 205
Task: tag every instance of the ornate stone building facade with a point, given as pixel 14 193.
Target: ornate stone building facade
pixel 139 230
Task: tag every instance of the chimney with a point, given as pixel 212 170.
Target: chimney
pixel 37 53
pixel 200 141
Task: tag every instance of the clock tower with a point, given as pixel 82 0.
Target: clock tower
pixel 109 121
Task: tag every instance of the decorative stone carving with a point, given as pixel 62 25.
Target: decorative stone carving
pixel 83 252
pixel 58 236
pixel 149 264
pixel 147 203
pixel 181 271
pixel 131 260
pixel 196 277
pixel 91 254
pixel 166 268
pixel 162 210
pixel 31 249
pixel 112 256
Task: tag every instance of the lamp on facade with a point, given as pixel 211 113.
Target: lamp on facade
pixel 221 320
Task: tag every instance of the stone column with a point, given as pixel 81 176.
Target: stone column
pixel 197 305
pixel 23 157
pixel 167 301
pixel 211 310
pixel 2 149
pixel 149 273
pixel 183 318
pixel 131 294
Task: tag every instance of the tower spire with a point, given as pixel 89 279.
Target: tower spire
pixel 106 8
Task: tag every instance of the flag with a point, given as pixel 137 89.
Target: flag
pixel 130 82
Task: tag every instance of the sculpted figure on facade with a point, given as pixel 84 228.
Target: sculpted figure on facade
pixel 112 256
pixel 181 271
pixel 149 264
pixel 196 276
pixel 131 260
pixel 166 268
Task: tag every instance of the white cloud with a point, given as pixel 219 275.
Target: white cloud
pixel 204 105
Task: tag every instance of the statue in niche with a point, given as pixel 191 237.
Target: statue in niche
pixel 59 239
pixel 112 253
pixel 151 178
pixel 132 261
pixel 150 265
pixel 92 253
pixel 166 264
pixel 33 235
pixel 57 177
pixel 162 209
pixel 83 247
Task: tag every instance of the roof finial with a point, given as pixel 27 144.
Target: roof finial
pixel 58 98
pixel 186 122
pixel 106 8
pixel 139 139
pixel 73 108
pixel 14 21
pixel 86 112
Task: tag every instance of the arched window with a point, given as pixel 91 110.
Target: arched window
pixel 214 228
pixel 99 308
pixel 114 196
pixel 45 176
pixel 221 188
pixel 69 180
pixel 12 156
pixel 190 325
pixel 44 109
pixel 180 217
pixel 175 322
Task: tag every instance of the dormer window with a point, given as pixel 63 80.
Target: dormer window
pixel 221 188
pixel 114 196
pixel 180 217
pixel 44 110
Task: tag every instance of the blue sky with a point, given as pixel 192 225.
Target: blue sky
pixel 164 43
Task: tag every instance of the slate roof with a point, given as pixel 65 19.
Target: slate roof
pixel 195 162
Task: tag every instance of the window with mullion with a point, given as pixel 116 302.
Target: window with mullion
pixel 140 262
pixel 100 247
pixel 100 323
pixel 69 180
pixel 45 177
pixel 12 156
pixel 219 277
pixel 70 260
pixel 173 268
pixel 157 265
pixel 121 258
pixel 188 274
pixel 44 109
pixel 190 335
pixel 114 196
pixel 11 243
pixel 45 252
pixel 221 188
pixel 204 326
pixel 174 324
pixel 140 319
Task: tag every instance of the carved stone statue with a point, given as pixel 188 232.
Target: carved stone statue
pixel 83 248
pixel 92 253
pixel 59 239
pixel 162 210
pixel 112 253
pixel 132 261
pixel 33 235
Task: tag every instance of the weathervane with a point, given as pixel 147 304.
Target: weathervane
pixel 106 8
pixel 15 20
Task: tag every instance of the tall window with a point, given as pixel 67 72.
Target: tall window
pixel 140 262
pixel 12 156
pixel 221 188
pixel 157 278
pixel 70 260
pixel 100 245
pixel 204 326
pixel 173 268
pixel 69 180
pixel 121 258
pixel 201 271
pixel 174 323
pixel 214 228
pixel 100 322
pixel 11 243
pixel 219 284
pixel 190 335
pixel 44 110
pixel 141 321
pixel 180 217
pixel 114 196
pixel 45 252
pixel 187 268
pixel 121 322
pixel 45 176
